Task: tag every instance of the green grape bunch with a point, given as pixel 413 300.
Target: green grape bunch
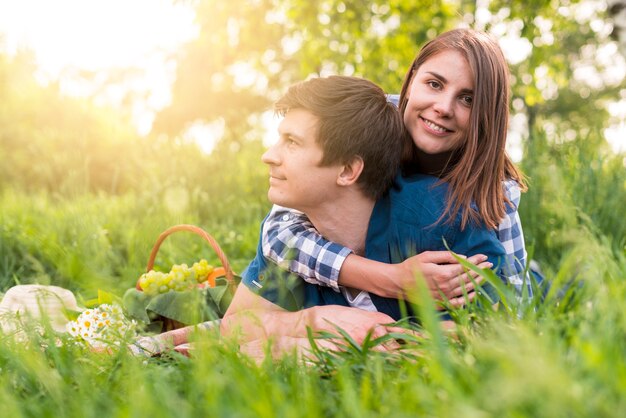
pixel 179 279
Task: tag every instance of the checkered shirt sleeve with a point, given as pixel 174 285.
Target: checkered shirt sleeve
pixel 290 240
pixel 512 238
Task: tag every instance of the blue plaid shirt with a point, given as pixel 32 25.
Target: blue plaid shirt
pixel 290 240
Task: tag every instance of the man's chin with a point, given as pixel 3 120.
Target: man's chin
pixel 276 198
pixel 280 200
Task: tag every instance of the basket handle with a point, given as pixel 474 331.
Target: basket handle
pixel 198 231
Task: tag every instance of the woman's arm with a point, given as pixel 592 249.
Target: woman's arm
pixel 441 271
pixel 290 241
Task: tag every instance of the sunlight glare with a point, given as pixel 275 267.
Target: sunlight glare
pixel 69 36
pixel 616 133
pixel 94 34
pixel 206 135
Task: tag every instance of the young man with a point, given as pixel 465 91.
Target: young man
pixel 337 155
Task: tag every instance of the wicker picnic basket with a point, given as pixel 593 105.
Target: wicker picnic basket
pixel 228 273
pixel 228 278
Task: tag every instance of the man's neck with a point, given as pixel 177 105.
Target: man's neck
pixel 344 220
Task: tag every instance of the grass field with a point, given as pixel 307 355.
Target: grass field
pixel 560 358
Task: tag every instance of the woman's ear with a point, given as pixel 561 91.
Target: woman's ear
pixel 350 172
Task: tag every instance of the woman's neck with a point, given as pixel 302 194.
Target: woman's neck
pixel 433 164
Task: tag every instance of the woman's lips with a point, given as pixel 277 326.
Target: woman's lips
pixel 434 127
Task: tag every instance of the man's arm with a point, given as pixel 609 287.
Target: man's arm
pixel 290 241
pixel 250 317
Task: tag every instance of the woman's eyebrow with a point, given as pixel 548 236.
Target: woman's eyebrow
pixel 445 80
pixel 437 75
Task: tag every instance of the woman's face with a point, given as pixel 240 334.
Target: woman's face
pixel 439 103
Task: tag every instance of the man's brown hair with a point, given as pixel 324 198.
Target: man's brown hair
pixel 355 119
pixel 480 164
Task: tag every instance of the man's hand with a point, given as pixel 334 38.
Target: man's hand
pixel 258 351
pixel 251 318
pixel 355 322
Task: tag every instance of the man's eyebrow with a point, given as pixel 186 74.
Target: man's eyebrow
pixel 290 134
pixel 445 80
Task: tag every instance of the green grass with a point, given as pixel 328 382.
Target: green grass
pixel 554 362
pixel 560 358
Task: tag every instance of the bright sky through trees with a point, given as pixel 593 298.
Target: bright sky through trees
pixel 73 35
pixel 69 36
pixel 93 34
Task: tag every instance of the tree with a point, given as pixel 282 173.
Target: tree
pixel 249 51
pixel 617 13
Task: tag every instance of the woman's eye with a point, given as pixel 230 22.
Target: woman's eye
pixel 467 100
pixel 434 84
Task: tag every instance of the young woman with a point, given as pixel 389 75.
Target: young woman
pixel 455 105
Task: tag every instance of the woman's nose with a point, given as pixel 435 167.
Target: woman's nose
pixel 445 106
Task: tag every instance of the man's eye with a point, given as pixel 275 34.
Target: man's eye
pixel 286 139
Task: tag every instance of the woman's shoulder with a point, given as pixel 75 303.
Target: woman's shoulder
pixel 513 193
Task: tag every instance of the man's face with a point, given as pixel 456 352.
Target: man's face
pixel 296 179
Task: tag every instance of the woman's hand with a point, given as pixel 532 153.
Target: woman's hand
pixel 445 277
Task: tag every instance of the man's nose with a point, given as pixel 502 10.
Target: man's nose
pixel 271 156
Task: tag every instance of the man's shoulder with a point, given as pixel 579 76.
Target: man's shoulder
pixel 252 275
pixel 419 181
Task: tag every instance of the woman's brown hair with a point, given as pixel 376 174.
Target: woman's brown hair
pixel 480 164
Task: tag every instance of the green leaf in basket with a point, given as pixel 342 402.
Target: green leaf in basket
pixel 187 307
pixel 212 297
pixel 135 303
pixel 218 299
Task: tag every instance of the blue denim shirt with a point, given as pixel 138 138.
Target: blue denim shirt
pixel 403 223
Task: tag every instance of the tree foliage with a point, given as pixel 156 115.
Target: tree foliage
pixel 274 43
pixel 248 52
pixel 567 69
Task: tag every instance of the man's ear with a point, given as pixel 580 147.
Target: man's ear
pixel 351 171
